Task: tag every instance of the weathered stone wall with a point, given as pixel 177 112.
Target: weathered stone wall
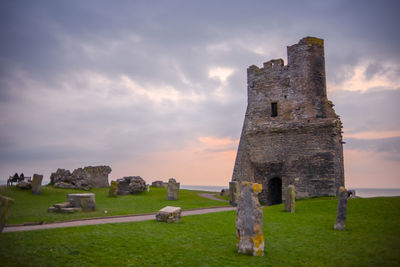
pixel 83 178
pixel 301 144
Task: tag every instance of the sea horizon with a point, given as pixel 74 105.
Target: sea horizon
pixel 365 192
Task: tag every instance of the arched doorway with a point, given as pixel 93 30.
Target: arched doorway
pixel 275 191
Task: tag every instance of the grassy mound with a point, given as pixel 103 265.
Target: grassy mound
pixel 33 208
pixel 305 238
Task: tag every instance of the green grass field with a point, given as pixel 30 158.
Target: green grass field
pixel 33 208
pixel 305 238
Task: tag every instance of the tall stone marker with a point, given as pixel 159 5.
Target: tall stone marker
pixel 290 199
pixel 37 184
pixel 249 220
pixel 234 193
pixel 112 191
pixel 173 189
pixel 340 223
pixel 5 208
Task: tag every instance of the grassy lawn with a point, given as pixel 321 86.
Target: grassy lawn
pixel 305 238
pixel 33 208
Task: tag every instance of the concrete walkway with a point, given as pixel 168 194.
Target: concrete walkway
pixel 115 219
pixel 212 196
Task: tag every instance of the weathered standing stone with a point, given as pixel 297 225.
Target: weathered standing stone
pixel 234 193
pixel 340 223
pixel 290 199
pixel 169 214
pixel 112 191
pixel 86 202
pixel 173 189
pixel 249 220
pixel 5 209
pixel 291 133
pixel 37 184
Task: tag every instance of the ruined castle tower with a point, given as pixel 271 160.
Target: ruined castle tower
pixel 291 133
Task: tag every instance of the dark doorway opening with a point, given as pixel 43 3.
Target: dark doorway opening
pixel 275 191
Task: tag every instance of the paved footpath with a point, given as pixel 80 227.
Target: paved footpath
pixel 104 220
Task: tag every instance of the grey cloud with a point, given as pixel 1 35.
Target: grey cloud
pixel 389 145
pixel 366 111
pixel 156 44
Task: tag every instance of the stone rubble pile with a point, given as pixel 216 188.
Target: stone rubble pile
pixel 81 178
pixel 131 185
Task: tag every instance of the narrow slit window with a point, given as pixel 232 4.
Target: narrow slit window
pixel 274 109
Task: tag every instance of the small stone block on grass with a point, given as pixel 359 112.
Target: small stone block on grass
pixel 5 208
pixel 169 214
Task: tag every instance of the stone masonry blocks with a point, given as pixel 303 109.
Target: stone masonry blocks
pixel 291 134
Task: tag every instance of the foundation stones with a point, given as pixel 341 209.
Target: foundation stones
pixel 159 184
pixel 24 184
pixel 169 214
pixel 340 223
pixel 290 199
pixel 173 189
pixel 234 193
pixel 112 191
pixel 37 184
pixel 5 208
pixel 75 202
pixel 86 202
pixel 249 220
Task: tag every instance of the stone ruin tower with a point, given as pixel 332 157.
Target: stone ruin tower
pixel 291 133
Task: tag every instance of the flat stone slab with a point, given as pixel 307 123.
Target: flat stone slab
pixel 169 214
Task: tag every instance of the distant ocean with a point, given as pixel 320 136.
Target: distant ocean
pixel 360 192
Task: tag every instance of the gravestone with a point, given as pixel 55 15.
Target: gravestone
pixel 86 202
pixel 5 209
pixel 37 184
pixel 290 199
pixel 173 189
pixel 169 214
pixel 340 223
pixel 112 191
pixel 249 220
pixel 234 193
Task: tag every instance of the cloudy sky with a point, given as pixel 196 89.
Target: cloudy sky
pixel 158 88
